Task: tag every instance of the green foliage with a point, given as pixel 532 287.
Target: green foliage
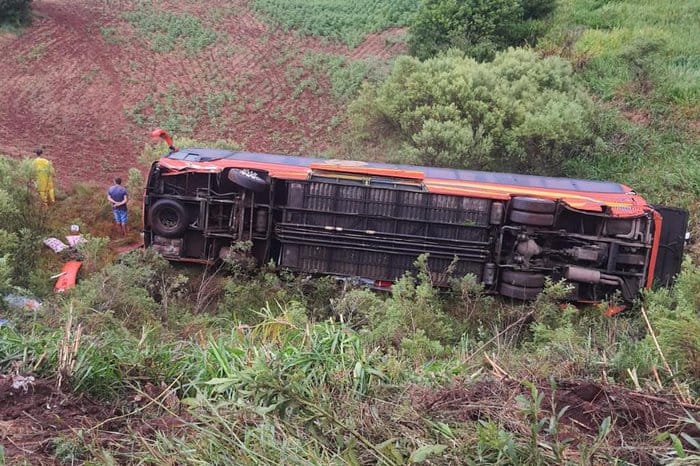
pixel 519 112
pixel 167 31
pixel 279 372
pixel 477 27
pixel 245 296
pixel 414 306
pixel 22 226
pixel 153 152
pixel 675 317
pixel 135 185
pixel 140 289
pixel 16 12
pixel 338 19
pixel 633 155
pixel 68 450
pixel 172 110
pixel 346 76
pixel 615 41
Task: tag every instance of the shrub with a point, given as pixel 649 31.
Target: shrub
pixel 139 289
pixel 22 223
pixel 414 308
pixel 15 11
pixel 478 27
pixel 519 112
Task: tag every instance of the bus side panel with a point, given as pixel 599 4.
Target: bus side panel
pixel 673 230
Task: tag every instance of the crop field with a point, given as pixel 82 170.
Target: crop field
pixel 88 80
pixel 349 22
pixel 149 362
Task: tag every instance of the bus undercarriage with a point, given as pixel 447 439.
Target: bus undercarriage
pixel 374 227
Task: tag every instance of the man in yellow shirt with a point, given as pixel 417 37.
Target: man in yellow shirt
pixel 43 170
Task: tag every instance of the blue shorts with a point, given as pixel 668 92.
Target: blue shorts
pixel 120 216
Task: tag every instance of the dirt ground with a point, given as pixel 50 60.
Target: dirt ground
pixel 636 418
pixel 35 417
pixel 71 80
pixel 39 423
pixel 32 413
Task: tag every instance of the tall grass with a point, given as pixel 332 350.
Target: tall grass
pixel 640 59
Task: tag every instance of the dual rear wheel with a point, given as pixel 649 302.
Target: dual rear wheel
pixel 529 211
pixel 521 285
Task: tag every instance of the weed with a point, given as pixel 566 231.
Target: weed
pixel 109 35
pixel 346 76
pixel 35 53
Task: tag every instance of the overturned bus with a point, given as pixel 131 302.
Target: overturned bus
pixel 372 220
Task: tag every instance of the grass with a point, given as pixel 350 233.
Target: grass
pixel 166 31
pixel 283 383
pixel 282 369
pixel 640 60
pixel 624 43
pixel 346 76
pixel 348 22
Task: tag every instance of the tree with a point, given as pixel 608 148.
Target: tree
pixel 15 11
pixel 518 113
pixel 477 27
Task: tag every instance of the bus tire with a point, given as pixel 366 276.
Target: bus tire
pixel 526 279
pixel 518 292
pixel 529 218
pixel 168 218
pixel 533 204
pixel 248 179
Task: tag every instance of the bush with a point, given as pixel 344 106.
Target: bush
pixel 519 112
pixel 15 11
pixel 674 317
pixel 414 310
pixel 140 289
pixel 478 27
pixel 22 223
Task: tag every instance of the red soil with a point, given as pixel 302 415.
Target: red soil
pixel 68 87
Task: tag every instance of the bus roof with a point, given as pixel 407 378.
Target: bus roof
pixel 219 157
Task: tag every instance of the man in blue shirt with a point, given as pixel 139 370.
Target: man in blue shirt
pixel 118 197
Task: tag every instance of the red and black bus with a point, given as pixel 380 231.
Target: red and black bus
pixel 372 220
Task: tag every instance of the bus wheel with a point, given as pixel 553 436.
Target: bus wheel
pixel 518 292
pixel 248 179
pixel 168 218
pixel 529 218
pixel 518 278
pixel 533 204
